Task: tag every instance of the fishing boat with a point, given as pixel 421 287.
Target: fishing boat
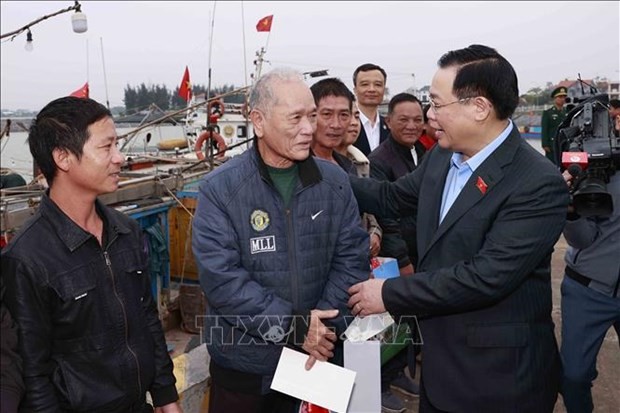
pixel 229 131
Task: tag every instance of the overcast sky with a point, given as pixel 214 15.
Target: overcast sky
pixel 152 42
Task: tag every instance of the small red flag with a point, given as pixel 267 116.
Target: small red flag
pixel 185 90
pixel 481 185
pixel 264 24
pixel 82 92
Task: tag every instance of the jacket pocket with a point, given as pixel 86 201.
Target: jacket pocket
pixel 498 335
pixel 137 287
pixel 90 380
pixel 75 284
pixel 83 302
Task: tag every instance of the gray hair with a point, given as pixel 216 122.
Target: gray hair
pixel 262 96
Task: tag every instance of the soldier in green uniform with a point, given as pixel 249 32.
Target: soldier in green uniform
pixel 551 119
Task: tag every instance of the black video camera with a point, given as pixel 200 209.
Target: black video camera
pixel 591 154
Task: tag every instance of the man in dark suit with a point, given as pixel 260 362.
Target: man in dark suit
pixel 398 155
pixel 369 87
pixel 489 209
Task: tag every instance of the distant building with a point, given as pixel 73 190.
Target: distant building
pixel 421 93
pixel 612 89
pixel 577 90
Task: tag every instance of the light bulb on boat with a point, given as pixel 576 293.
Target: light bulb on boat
pixel 29 46
pixel 79 22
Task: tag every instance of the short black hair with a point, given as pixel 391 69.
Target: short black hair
pixel 400 98
pixel 482 71
pixel 367 67
pixel 62 124
pixel 332 86
pixel 614 103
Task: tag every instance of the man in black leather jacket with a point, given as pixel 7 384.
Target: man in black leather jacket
pixel 11 382
pixel 77 279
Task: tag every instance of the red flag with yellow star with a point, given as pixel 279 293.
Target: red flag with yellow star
pixel 82 92
pixel 264 24
pixel 185 90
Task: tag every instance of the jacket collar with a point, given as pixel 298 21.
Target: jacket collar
pixel 71 234
pixel 309 172
pixel 399 148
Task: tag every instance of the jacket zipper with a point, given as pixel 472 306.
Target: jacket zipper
pixel 126 324
pixel 292 260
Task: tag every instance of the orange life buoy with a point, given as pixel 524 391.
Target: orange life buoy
pixel 204 136
pixel 216 106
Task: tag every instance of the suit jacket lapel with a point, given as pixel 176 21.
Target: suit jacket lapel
pixel 384 131
pixel 490 172
pixel 362 142
pixel 428 212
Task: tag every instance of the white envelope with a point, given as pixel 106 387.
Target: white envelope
pixel 325 385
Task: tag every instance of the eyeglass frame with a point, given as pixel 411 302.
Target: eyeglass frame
pixel 436 106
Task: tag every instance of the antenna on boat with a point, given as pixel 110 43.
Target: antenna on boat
pixel 208 94
pixel 87 64
pixel 105 78
pixel 245 54
pixel 210 53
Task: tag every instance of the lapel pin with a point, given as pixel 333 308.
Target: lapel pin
pixel 481 185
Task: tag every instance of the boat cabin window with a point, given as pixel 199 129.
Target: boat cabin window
pixel 242 132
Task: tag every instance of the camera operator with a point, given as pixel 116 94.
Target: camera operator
pixel 590 301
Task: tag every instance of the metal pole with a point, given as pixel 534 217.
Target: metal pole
pixel 105 78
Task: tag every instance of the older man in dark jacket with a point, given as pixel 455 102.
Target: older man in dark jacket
pixel 278 241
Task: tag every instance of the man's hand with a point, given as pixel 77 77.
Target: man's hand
pixel 366 298
pixel 375 245
pixel 319 342
pixel 406 270
pixel 169 408
pixel 568 178
pixel 547 149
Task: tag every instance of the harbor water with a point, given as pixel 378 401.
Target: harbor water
pixel 15 154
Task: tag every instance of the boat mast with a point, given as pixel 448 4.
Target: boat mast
pixel 105 78
pixel 210 127
pixel 210 54
pixel 87 65
pixel 258 63
pixel 245 60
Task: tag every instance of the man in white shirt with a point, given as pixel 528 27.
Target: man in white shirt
pixel 369 87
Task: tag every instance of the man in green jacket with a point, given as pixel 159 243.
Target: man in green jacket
pixel 551 119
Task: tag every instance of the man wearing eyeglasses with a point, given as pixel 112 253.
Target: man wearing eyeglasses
pixel 489 209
